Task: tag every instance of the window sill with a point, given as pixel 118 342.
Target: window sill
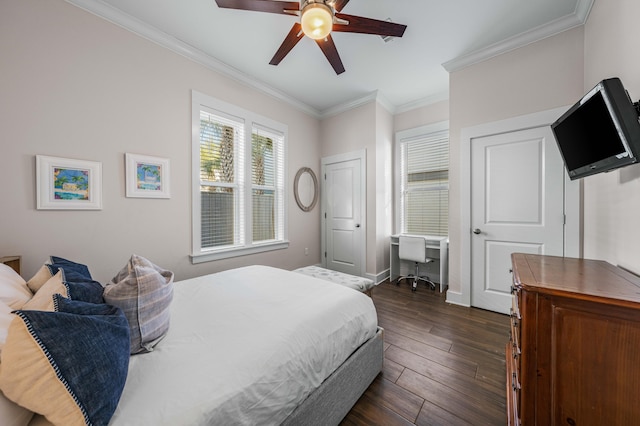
pixel 236 252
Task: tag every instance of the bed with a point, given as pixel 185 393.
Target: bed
pixel 254 345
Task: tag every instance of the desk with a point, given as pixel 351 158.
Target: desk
pixel 437 271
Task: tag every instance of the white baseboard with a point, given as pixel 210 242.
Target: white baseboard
pixel 378 278
pixel 455 298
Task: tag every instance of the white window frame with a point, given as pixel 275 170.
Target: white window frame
pixel 401 137
pixel 200 101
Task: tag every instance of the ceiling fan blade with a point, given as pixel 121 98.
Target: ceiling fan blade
pixel 340 4
pixel 358 24
pixel 269 6
pixel 329 49
pixel 294 36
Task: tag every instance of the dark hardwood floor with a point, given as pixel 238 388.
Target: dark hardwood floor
pixel 443 365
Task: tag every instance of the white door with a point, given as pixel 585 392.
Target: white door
pixel 343 221
pixel 517 205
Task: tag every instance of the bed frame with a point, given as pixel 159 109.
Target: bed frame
pixel 331 402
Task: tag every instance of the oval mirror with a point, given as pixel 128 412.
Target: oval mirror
pixel 305 189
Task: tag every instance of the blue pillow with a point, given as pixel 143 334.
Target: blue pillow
pixel 78 279
pixel 70 365
pixel 88 291
pixel 74 270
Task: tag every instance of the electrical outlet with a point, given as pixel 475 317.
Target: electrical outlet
pixel 306 251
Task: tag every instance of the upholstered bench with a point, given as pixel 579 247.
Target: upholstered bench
pixel 365 285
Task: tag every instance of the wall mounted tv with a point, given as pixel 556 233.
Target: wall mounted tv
pixel 601 132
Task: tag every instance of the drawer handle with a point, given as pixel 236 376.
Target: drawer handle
pixel 514 382
pixel 514 314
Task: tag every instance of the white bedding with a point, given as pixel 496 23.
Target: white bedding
pixel 245 346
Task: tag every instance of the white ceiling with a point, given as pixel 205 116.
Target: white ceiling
pixel 441 36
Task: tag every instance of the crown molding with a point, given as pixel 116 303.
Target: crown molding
pixel 424 102
pixel 378 97
pixel 151 33
pixel 386 104
pixel 583 9
pixel 579 17
pixel 338 109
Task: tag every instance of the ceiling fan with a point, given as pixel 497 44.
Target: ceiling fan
pixel 318 18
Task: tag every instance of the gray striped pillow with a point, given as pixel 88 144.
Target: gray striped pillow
pixel 144 292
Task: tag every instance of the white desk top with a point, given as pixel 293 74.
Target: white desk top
pixel 426 237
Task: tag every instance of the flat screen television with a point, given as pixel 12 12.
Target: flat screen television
pixel 601 132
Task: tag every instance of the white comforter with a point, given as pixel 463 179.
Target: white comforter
pixel 245 346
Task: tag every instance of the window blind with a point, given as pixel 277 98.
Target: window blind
pixel 221 189
pixel 424 190
pixel 267 184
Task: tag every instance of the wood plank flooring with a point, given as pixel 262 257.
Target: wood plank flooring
pixel 444 364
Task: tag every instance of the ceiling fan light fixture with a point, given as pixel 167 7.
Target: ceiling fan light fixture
pixel 316 20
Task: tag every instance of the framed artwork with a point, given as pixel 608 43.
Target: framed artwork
pixel 68 184
pixel 147 177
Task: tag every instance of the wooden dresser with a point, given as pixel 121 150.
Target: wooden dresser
pixel 574 353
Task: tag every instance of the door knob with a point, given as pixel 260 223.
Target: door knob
pixel 357 225
pixel 477 231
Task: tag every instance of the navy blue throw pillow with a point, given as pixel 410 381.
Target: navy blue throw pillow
pixel 78 279
pixel 70 274
pixel 87 346
pixel 73 270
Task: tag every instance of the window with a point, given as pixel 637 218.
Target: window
pixel 423 188
pixel 238 181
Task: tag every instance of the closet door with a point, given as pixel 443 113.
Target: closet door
pixel 517 206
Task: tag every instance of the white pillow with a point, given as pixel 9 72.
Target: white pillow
pixel 5 320
pixel 13 288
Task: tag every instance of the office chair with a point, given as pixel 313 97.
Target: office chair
pixel 413 248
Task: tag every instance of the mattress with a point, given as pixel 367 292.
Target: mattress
pixel 245 346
